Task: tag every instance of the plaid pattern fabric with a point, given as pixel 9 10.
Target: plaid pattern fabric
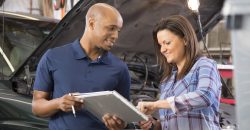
pixel 194 99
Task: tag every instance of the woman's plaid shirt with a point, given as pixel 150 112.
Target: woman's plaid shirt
pixel 194 99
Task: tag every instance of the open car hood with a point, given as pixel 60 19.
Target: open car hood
pixel 139 18
pixel 135 39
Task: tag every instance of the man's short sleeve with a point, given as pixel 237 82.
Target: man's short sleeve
pixel 124 84
pixel 43 79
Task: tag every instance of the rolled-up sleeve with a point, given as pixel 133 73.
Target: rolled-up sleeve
pixel 206 92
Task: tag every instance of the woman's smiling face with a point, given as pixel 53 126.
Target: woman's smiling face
pixel 171 46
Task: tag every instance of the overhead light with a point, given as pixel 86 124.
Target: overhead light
pixel 194 5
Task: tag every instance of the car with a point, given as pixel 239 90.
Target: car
pixel 134 45
pixel 20 35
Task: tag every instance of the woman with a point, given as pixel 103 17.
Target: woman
pixel 190 84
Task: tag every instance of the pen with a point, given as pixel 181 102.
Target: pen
pixel 73 109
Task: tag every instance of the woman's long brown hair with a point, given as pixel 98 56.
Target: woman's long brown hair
pixel 181 27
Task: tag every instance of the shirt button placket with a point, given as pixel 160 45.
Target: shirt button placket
pixel 90 68
pixel 87 72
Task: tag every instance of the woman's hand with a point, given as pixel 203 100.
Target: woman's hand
pixel 147 107
pixel 151 124
pixel 146 125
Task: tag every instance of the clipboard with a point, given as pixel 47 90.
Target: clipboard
pixel 100 103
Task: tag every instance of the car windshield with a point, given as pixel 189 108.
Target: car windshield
pixel 18 39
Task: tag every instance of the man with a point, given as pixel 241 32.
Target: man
pixel 85 65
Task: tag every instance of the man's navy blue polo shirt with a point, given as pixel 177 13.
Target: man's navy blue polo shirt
pixel 68 69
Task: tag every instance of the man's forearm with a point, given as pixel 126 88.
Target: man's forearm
pixel 45 108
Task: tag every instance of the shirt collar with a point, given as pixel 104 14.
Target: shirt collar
pixel 105 58
pixel 79 53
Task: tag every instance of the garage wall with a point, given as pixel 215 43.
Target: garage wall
pixel 22 6
pixel 38 7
